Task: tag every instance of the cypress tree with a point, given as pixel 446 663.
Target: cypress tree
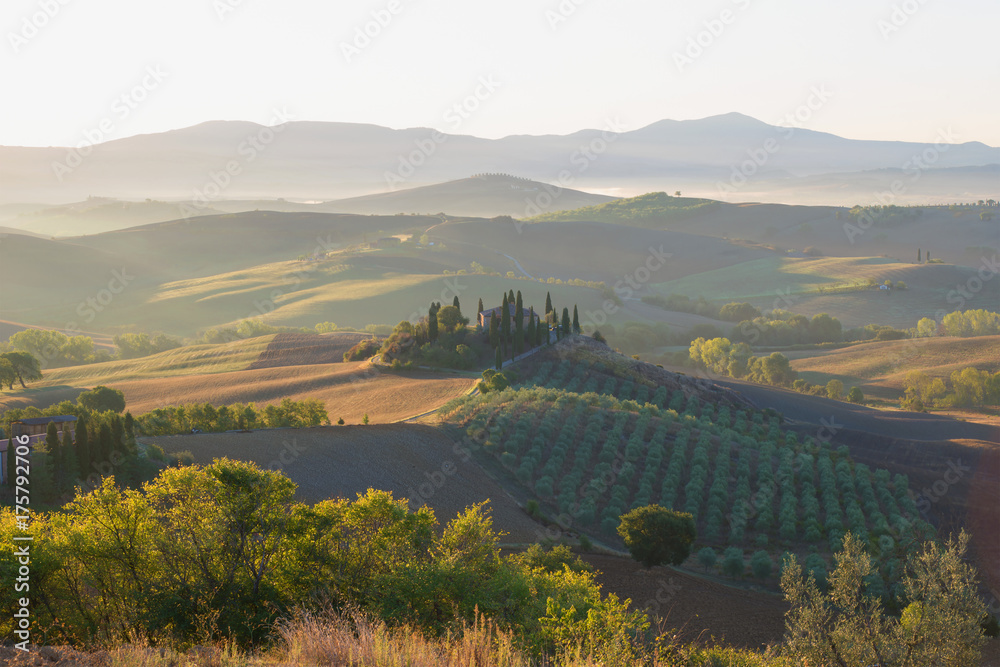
pixel 455 303
pixel 495 332
pixel 10 474
pixel 82 447
pixel 117 434
pixel 510 297
pixel 529 335
pixel 565 321
pixel 432 323
pixel 576 320
pixel 42 482
pixel 130 445
pixel 918 255
pixel 518 324
pixel 103 443
pixel 70 468
pixel 499 359
pixel 548 334
pixel 505 323
pixel 52 446
pixel 548 303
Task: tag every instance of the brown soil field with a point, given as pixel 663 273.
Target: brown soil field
pixel 300 349
pixel 700 608
pixel 411 460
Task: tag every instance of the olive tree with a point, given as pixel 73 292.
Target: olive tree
pixel 655 535
pixel 848 625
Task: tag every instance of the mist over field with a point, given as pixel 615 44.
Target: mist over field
pixel 571 333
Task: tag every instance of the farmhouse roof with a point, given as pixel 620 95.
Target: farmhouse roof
pixel 38 421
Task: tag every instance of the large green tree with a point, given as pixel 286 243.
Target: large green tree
pixel 655 535
pixel 450 319
pixel 26 367
pixel 102 399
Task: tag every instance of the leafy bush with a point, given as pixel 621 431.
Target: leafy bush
pixel 364 349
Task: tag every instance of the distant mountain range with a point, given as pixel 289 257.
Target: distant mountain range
pixel 724 156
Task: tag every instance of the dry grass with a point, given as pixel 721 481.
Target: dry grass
pixel 879 368
pixel 349 390
pixel 356 641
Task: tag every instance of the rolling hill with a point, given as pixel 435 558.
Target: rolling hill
pixel 482 195
pixel 260 370
pixel 879 367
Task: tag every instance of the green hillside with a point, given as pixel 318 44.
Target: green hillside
pixel 654 209
pixel 590 439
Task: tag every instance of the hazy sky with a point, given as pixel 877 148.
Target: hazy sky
pixel 888 69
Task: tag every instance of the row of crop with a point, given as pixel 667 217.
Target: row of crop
pixel 812 495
